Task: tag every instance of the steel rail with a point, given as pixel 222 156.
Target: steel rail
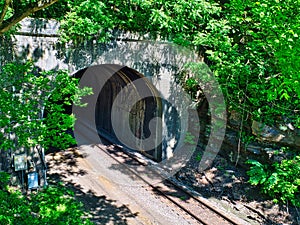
pixel 219 214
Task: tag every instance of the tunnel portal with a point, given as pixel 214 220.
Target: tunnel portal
pixel 140 115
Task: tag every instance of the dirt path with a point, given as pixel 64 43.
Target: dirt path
pixel 111 196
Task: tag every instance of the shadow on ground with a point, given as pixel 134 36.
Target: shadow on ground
pixel 101 209
pixel 225 182
pixel 228 182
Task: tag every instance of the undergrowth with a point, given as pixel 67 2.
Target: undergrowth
pixel 52 205
pixel 281 180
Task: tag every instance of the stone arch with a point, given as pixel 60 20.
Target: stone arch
pixel 141 113
pixel 159 61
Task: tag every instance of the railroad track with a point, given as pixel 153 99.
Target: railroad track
pixel 196 207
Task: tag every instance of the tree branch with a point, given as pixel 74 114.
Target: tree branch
pixel 17 17
pixel 4 10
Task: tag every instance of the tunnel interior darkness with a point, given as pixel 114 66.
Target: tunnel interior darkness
pixel 143 110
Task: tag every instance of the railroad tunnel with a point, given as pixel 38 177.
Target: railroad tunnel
pixel 140 115
pixel 158 61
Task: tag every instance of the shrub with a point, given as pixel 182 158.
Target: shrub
pixel 52 205
pixel 281 180
pixel 32 106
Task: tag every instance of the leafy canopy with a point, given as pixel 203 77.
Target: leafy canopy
pixel 13 11
pixel 252 47
pixel 32 107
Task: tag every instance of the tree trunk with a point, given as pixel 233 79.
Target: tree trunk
pixel 20 13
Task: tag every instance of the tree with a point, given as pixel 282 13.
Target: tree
pixel 32 113
pixel 32 107
pixel 13 11
pixel 252 47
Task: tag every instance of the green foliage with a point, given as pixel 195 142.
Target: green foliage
pixel 7 15
pixel 13 11
pixel 86 20
pixel 258 172
pixel 189 139
pixel 191 86
pixel 198 157
pixel 52 205
pixel 281 181
pixel 252 47
pixel 56 11
pixel 4 180
pixel 32 107
pixel 178 21
pixel 251 55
